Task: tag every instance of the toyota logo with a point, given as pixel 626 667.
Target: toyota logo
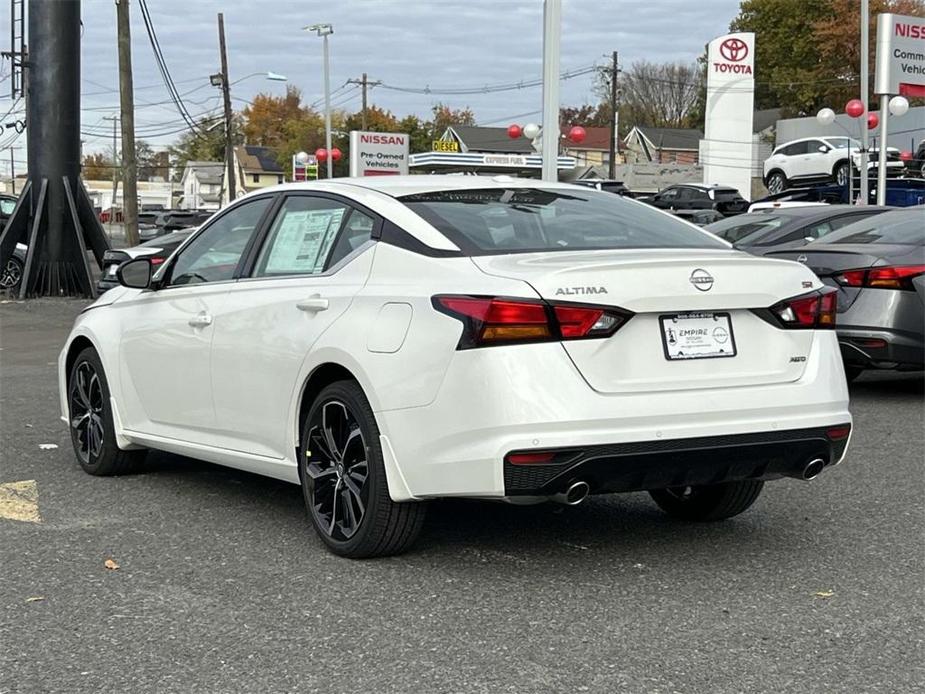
pixel 702 280
pixel 734 50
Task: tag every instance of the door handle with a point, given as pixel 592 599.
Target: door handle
pixel 313 304
pixel 201 321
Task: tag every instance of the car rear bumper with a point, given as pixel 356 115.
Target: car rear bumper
pixel 881 349
pixel 659 464
pixel 498 400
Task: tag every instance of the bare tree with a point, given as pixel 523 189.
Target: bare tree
pixel 661 95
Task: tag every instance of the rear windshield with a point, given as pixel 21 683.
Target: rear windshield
pixel 522 220
pixel 735 229
pixel 900 226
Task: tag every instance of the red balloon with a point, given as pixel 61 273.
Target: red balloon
pixel 321 154
pixel 855 108
pixel 905 155
pixel 577 134
pixel 336 154
pixel 514 131
pixel 873 120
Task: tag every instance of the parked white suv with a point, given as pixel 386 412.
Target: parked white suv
pixel 819 159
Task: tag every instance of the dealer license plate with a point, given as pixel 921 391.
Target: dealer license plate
pixel 112 269
pixel 697 336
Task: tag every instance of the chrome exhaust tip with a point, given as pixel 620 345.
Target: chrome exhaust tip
pixel 812 469
pixel 573 495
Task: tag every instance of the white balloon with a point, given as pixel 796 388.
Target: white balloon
pixel 826 116
pixel 899 105
pixel 531 130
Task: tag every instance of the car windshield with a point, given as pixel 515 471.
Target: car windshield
pixel 523 220
pixel 899 226
pixel 746 226
pixel 842 142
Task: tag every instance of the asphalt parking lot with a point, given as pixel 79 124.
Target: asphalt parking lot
pixel 222 587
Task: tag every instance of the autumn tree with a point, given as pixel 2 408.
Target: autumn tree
pixel 663 95
pixel 284 124
pixel 444 116
pixel 378 120
pixel 96 167
pixel 206 143
pixel 419 133
pixel 806 53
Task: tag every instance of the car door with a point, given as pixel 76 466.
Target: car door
pixel 166 333
pixel 815 162
pixel 667 199
pixel 315 257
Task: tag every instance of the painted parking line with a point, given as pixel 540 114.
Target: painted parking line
pixel 19 501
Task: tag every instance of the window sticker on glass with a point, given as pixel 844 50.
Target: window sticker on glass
pixel 303 240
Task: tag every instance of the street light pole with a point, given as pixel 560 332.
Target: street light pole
pixel 325 30
pixel 865 97
pixel 552 28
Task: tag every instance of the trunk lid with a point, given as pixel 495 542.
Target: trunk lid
pixel 833 259
pixel 662 283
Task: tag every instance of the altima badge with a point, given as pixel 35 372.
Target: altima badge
pixel 702 280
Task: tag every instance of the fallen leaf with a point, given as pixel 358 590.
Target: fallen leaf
pixel 824 593
pixel 36 598
pixel 48 446
pixel 111 565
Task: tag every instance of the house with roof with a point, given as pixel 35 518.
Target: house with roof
pixel 478 149
pixel 594 150
pixel 663 145
pixel 202 184
pixel 255 167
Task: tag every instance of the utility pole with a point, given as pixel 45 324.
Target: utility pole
pixel 226 95
pixel 127 103
pixel 612 170
pixel 365 84
pixel 115 170
pixel 552 32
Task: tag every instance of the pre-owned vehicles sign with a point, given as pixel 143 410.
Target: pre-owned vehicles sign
pixel 900 55
pixel 378 154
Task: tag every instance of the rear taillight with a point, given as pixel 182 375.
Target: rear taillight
pixel 500 321
pixel 815 310
pixel 888 277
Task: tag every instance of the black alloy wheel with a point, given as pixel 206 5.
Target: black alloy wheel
pixel 93 434
pixel 344 479
pixel 12 274
pixel 337 467
pixel 86 407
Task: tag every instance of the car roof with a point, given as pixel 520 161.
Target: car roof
pixel 806 211
pixel 397 186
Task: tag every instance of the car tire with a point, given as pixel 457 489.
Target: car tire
pixel 841 173
pixel 12 274
pixel 352 513
pixel 712 502
pixel 852 372
pixel 91 423
pixel 776 182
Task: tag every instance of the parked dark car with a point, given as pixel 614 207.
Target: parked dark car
pixel 158 250
pixel 878 267
pixel 699 217
pixel 11 275
pixel 916 165
pixel 607 185
pixel 694 196
pixel 787 227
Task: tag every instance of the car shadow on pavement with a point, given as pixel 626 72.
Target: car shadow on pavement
pixel 889 383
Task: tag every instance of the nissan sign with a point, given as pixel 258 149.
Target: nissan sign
pixel 378 154
pixel 900 55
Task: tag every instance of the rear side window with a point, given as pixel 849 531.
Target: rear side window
pixel 301 237
pixel 523 220
pixel 901 226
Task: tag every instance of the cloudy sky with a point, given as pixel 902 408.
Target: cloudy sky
pixel 404 43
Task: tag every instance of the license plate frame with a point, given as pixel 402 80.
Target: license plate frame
pixel 713 347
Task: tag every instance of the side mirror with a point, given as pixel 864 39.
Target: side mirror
pixel 135 274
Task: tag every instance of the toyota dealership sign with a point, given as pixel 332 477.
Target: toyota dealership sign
pixel 900 55
pixel 378 154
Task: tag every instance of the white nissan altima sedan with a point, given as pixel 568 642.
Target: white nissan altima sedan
pixel 389 340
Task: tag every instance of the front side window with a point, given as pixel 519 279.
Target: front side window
pixel 302 236
pixel 214 254
pixel 485 221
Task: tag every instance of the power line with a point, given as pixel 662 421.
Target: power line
pixel 488 88
pixel 162 66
